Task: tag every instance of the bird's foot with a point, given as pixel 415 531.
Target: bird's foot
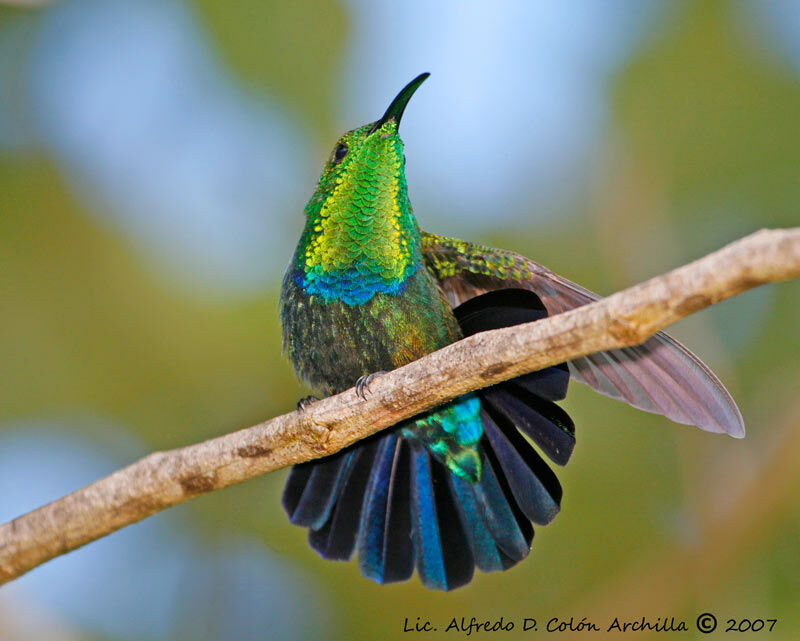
pixel 362 384
pixel 303 403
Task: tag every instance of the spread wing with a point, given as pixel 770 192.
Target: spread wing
pixel 659 376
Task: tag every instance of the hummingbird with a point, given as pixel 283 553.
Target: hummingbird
pixel 461 486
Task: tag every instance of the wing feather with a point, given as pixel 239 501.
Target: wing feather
pixel 660 375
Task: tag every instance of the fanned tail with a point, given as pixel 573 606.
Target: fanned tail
pixel 396 503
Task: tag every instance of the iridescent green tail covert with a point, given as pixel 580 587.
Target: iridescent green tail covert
pixel 458 487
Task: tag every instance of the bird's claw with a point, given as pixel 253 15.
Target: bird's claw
pixel 303 403
pixel 362 384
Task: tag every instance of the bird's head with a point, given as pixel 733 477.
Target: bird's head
pixel 359 218
pixel 367 159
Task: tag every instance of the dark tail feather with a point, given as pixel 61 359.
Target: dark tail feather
pixel 499 308
pixel 549 383
pixel 504 308
pixel 384 541
pixel 398 550
pixel 312 489
pixel 533 484
pixel 544 422
pixel 336 540
pixel 295 484
pixel 402 508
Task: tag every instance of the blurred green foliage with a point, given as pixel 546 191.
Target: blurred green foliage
pixel 258 38
pixel 704 147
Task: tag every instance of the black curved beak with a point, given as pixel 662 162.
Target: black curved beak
pixel 398 106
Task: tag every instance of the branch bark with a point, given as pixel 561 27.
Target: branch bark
pixel 164 479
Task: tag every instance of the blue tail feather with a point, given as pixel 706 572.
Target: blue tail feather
pixel 459 563
pixel 484 548
pixel 373 515
pixel 427 542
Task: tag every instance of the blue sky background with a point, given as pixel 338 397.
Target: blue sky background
pixel 158 137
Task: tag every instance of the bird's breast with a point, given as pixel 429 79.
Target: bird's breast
pixel 332 343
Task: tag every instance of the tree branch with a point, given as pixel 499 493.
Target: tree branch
pixel 164 479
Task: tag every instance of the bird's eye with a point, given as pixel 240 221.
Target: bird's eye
pixel 339 153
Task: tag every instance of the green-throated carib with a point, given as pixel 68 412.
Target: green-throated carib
pixel 457 488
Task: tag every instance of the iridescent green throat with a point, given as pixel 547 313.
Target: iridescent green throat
pixel 360 237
